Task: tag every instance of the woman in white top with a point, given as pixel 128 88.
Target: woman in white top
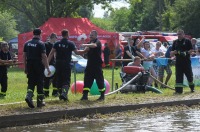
pixel 146 52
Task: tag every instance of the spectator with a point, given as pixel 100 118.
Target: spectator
pixel 136 62
pixel 147 53
pixel 157 51
pixel 130 52
pixel 194 47
pixel 167 68
pixel 106 53
pixel 118 55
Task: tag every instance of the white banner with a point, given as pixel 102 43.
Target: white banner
pixel 196 71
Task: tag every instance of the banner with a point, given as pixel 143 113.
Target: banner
pixel 196 71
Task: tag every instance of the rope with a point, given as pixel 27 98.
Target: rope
pixel 160 82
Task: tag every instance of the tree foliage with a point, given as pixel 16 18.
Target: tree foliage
pixel 38 11
pixel 187 16
pixel 7 26
pixel 120 18
pixel 106 24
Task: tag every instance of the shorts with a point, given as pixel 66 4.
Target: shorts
pixel 162 68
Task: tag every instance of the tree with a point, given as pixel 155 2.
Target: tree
pixel 120 18
pixel 106 24
pixel 186 16
pixel 38 11
pixel 7 26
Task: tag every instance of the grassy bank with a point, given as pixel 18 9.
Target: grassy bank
pixel 17 84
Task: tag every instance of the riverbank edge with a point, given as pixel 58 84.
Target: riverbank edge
pixel 52 116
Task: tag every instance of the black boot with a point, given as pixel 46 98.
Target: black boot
pixel 85 95
pixel 46 93
pixel 178 90
pixel 2 95
pixel 40 102
pixel 192 88
pixel 64 93
pixel 156 85
pixel 55 93
pixel 29 100
pixel 102 97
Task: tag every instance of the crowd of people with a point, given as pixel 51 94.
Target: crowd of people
pixel 181 50
pixel 38 55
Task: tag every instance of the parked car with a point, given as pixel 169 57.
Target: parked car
pixel 81 63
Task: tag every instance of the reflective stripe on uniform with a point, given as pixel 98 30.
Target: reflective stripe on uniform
pixel 46 90
pixel 191 83
pixel 55 89
pixel 180 85
pixel 102 90
pixel 3 93
pixel 86 89
pixel 29 90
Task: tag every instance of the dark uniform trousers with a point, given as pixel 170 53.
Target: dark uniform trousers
pixel 63 74
pixel 35 75
pixel 3 81
pixel 47 83
pixel 183 67
pixel 91 73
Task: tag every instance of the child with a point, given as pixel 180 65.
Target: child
pixel 5 59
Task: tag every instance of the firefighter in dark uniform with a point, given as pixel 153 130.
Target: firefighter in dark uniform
pixel 34 58
pixel 63 52
pixel 94 67
pixel 5 58
pixel 48 80
pixel 182 48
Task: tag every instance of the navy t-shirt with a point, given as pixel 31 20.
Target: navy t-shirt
pixel 183 45
pixel 4 56
pixel 64 49
pixel 167 54
pixel 94 54
pixel 48 47
pixel 34 49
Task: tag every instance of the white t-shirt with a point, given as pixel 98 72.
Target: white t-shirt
pixel 154 50
pixel 145 52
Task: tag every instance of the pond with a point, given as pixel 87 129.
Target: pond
pixel 165 122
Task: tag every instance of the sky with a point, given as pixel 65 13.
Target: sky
pixel 98 12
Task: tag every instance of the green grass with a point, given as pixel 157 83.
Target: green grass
pixel 17 86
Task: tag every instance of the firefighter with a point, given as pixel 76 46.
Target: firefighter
pixel 5 58
pixel 48 80
pixel 34 60
pixel 182 48
pixel 94 67
pixel 63 51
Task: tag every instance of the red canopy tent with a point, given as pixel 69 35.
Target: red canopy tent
pixel 76 27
